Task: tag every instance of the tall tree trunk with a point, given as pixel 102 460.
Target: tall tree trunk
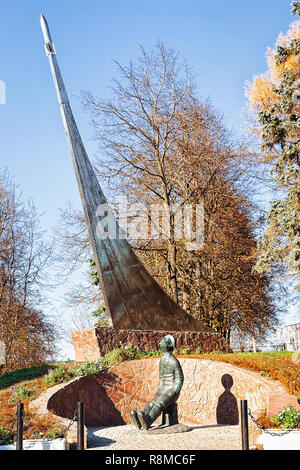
pixel 172 271
pixel 185 299
pixel 198 276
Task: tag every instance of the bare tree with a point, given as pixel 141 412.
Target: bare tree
pixel 151 132
pixel 24 257
pixel 161 144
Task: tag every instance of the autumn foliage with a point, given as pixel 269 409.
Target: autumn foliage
pixel 27 334
pixel 41 424
pixel 274 101
pixel 164 145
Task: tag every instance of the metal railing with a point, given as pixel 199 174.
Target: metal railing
pixel 21 419
pixel 244 425
pixel 245 412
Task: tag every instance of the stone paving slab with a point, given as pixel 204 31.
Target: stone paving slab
pixel 211 437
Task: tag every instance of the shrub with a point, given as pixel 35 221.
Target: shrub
pixel 185 351
pixel 198 350
pixel 55 432
pixel 130 352
pixel 149 353
pixel 143 353
pixel 59 375
pixel 155 353
pixel 63 373
pixel 287 418
pixel 23 393
pixel 89 368
pixel 116 356
pixel 6 436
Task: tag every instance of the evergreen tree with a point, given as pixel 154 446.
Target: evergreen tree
pixel 296 8
pixel 276 99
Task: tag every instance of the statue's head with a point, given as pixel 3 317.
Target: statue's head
pixel 167 343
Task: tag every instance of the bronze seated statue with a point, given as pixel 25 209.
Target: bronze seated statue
pixel 170 383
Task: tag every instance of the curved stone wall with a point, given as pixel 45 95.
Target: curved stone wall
pixel 210 393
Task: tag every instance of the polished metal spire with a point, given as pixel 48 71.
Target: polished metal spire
pixel 46 34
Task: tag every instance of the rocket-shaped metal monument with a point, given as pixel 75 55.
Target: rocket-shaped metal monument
pixel 133 299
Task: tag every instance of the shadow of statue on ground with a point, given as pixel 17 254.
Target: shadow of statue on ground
pixel 227 408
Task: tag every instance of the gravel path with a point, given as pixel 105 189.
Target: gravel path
pixel 213 437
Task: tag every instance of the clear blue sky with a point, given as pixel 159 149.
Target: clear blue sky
pixel 225 41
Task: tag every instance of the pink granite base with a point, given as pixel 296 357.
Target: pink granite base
pixel 278 402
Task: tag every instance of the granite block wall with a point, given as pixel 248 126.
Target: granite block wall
pixel 211 392
pixel 94 343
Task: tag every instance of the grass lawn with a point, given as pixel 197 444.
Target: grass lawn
pixel 46 426
pixel 276 365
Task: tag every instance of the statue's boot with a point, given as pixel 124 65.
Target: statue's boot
pixel 134 417
pixel 145 424
pixel 147 419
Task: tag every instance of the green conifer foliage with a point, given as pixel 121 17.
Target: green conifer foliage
pixel 281 145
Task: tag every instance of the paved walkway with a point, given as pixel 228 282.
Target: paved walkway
pixel 212 437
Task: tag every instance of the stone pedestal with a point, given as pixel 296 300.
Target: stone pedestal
pixel 278 402
pixel 91 344
pixel 173 429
